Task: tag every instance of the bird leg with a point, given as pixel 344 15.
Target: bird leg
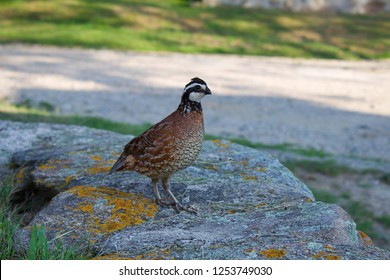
pixel 176 203
pixel 159 200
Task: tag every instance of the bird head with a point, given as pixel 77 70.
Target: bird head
pixel 195 90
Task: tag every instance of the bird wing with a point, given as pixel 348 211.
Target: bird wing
pixel 138 145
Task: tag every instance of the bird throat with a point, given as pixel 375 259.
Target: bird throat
pixel 187 106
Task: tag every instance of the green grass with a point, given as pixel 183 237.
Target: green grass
pixel 384 220
pixel 8 225
pixel 385 178
pixel 309 152
pixel 24 112
pixel 39 248
pixel 175 26
pixel 363 218
pixel 248 143
pixel 326 167
pixel 287 147
pixel 325 196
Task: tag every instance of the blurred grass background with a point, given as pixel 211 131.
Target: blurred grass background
pixel 176 26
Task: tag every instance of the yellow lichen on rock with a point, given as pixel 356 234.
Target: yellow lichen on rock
pixel 333 257
pixel 247 168
pixel 97 169
pixel 365 238
pixel 247 177
pixel 329 247
pixel 123 209
pixel 219 143
pixel 250 251
pixel 46 167
pixel 96 158
pixel 55 163
pixel 100 166
pixel 69 178
pixel 274 253
pixel 159 254
pixel 87 207
pixel 21 174
pixel 113 256
pixel 20 177
pixel 326 256
pixel 260 169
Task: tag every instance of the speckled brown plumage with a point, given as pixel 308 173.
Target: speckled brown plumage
pixel 170 145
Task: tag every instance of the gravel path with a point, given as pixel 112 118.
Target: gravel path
pixel 342 107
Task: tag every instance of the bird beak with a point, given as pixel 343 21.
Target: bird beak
pixel 207 91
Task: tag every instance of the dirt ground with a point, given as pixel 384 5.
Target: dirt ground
pixel 342 107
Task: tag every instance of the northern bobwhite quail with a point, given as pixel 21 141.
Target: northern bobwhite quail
pixel 170 145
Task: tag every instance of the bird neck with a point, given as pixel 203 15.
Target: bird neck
pixel 186 106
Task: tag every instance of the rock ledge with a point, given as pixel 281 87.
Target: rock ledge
pixel 250 205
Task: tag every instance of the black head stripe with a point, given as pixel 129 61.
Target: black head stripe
pixel 196 80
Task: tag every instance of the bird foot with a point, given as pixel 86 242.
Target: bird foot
pixel 189 209
pixel 178 206
pixel 165 202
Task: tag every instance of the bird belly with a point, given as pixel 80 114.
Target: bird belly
pixel 171 158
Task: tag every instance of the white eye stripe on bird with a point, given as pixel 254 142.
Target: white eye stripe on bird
pixel 194 85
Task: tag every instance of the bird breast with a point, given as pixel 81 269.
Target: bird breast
pixel 178 149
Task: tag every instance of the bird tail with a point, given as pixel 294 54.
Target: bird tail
pixel 124 162
pixel 117 165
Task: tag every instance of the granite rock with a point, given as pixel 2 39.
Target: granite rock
pixel 249 205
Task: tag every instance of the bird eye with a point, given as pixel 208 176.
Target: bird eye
pixel 197 88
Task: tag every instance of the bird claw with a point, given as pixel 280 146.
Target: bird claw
pixel 178 206
pixel 189 209
pixel 163 202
